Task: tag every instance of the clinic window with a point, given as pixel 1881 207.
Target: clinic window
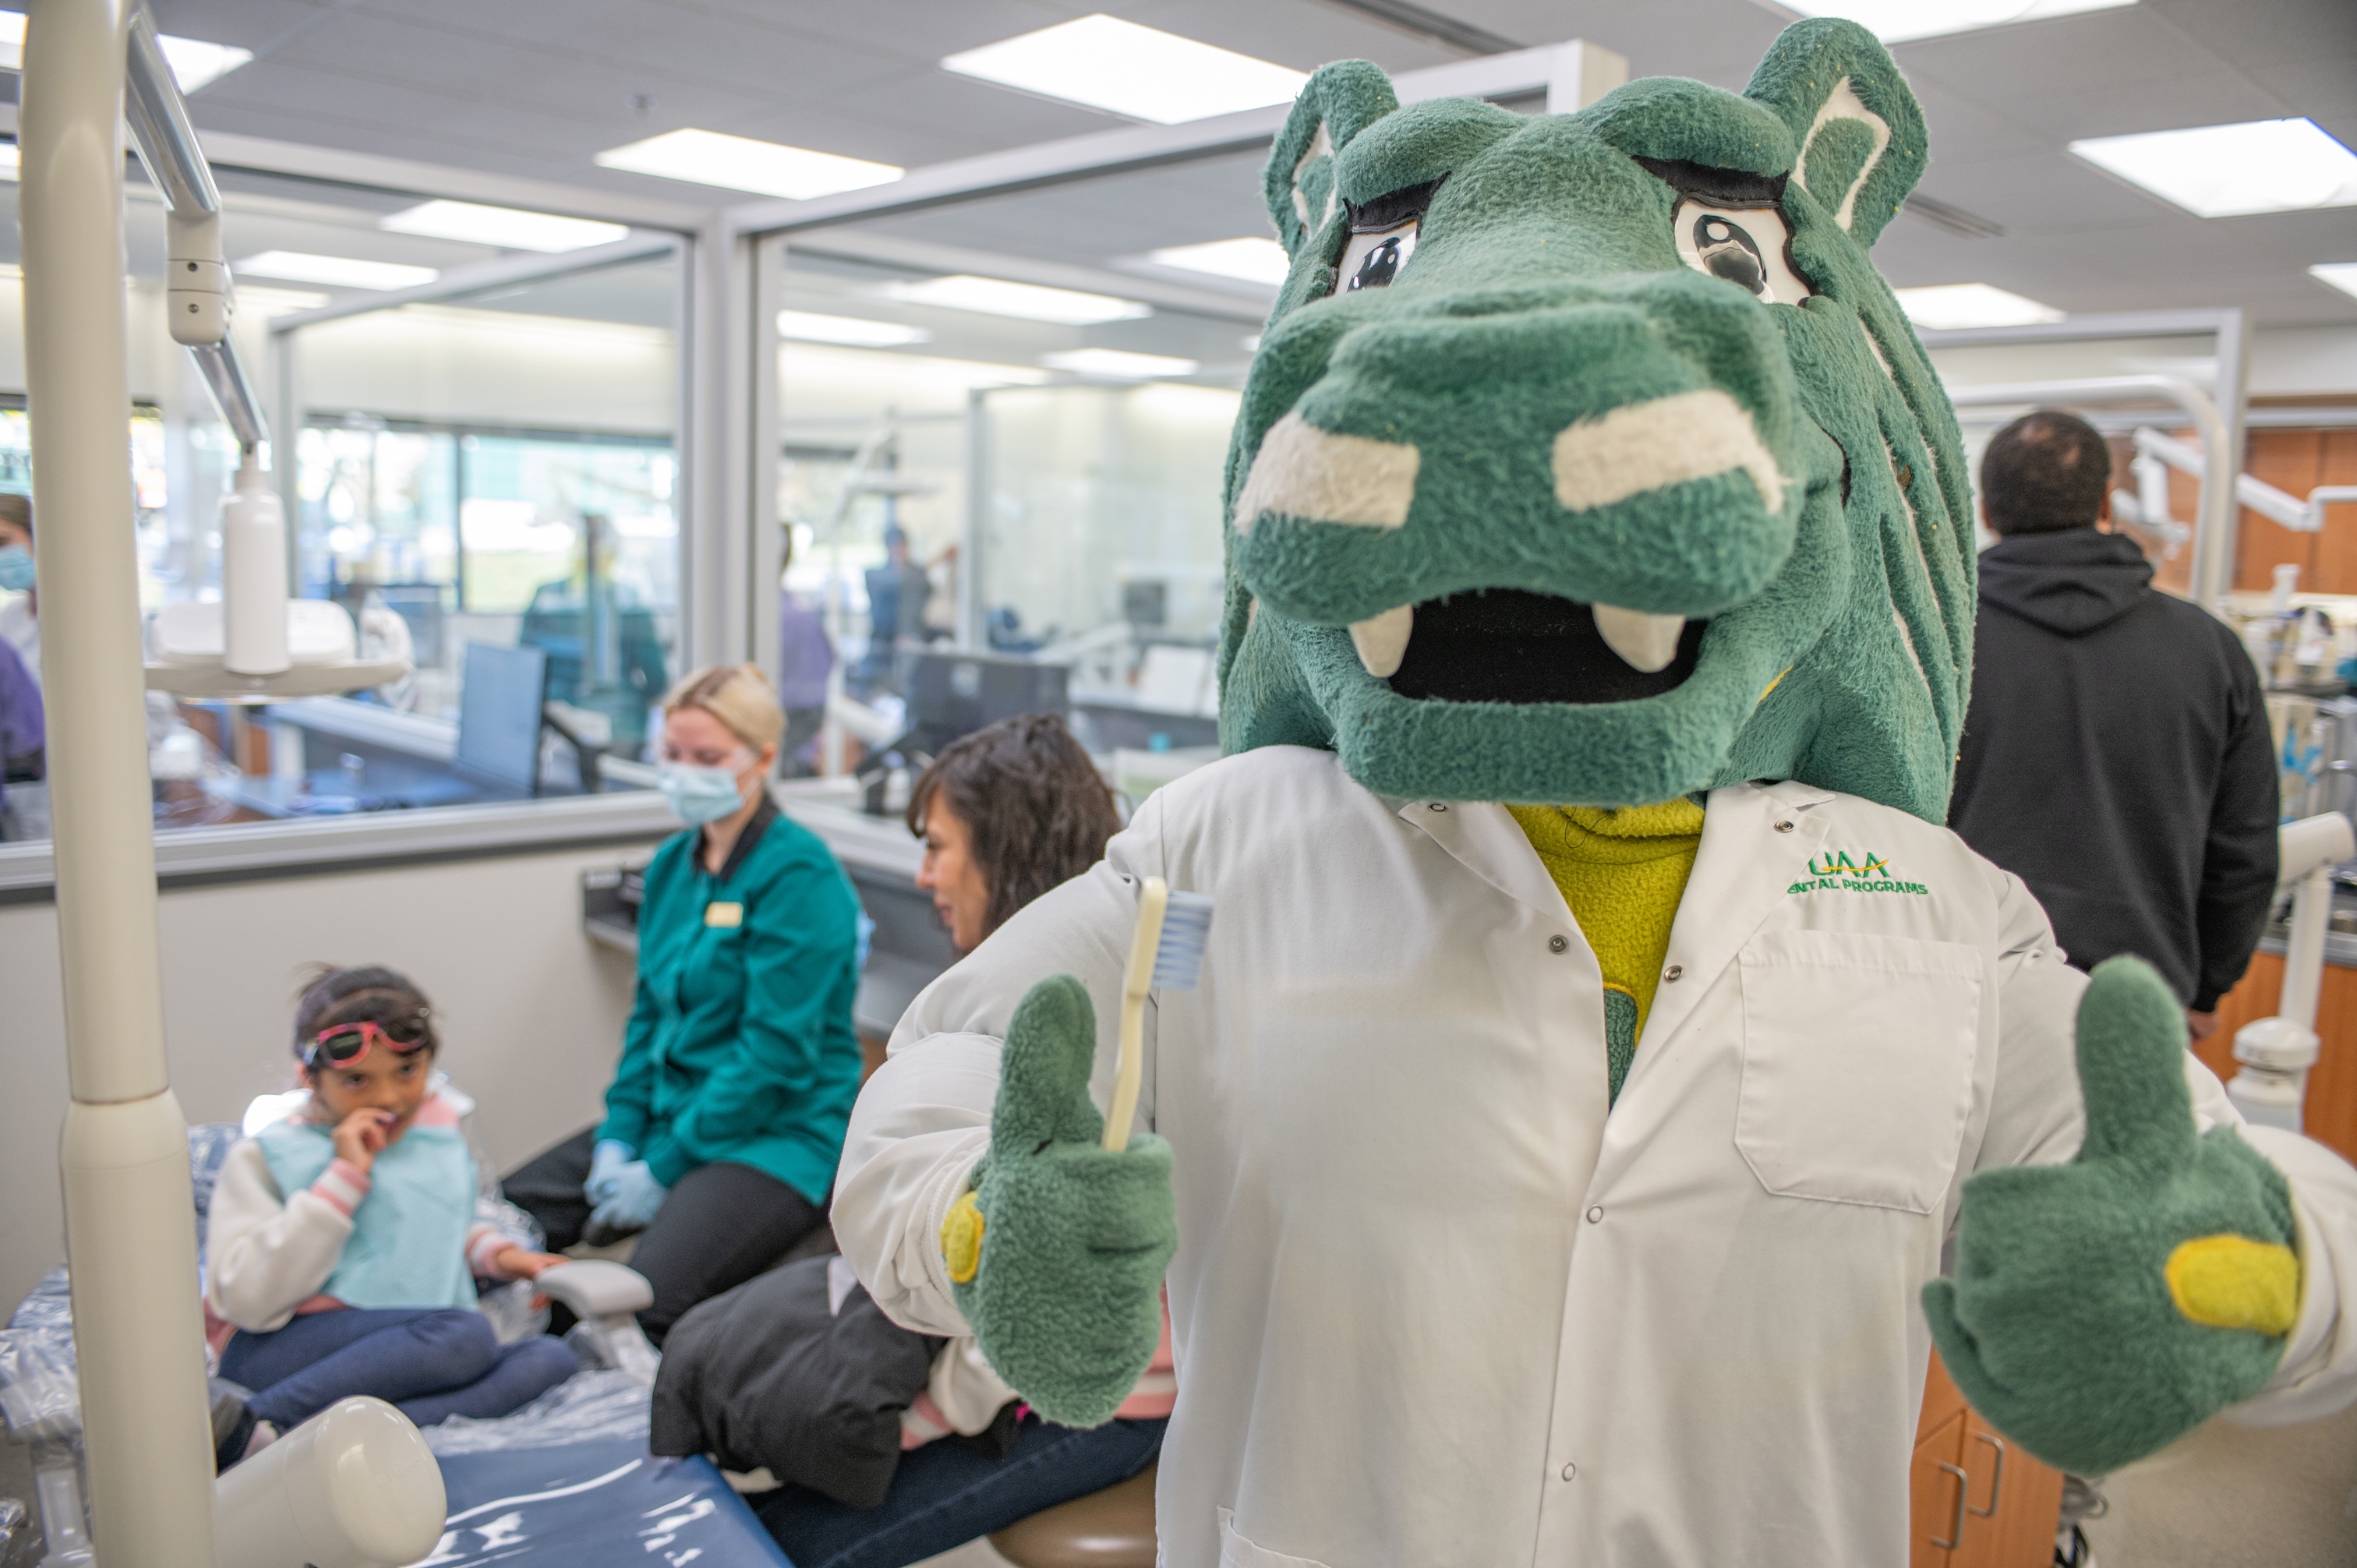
pixel 497 471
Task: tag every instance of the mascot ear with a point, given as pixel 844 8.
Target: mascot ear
pixel 1336 103
pixel 1853 117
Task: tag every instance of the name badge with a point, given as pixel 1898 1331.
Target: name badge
pixel 727 917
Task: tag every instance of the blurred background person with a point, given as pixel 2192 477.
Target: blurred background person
pixel 605 651
pixel 2116 756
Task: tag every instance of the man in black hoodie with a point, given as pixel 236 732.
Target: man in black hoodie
pixel 2116 756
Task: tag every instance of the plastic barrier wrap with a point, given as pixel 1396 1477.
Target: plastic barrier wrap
pixel 596 1505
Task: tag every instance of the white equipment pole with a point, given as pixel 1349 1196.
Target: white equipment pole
pixel 2277 1052
pixel 130 1231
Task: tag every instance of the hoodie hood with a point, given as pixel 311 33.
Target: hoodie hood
pixel 2072 582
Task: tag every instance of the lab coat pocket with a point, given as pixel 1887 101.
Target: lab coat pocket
pixel 1857 1065
pixel 1235 1552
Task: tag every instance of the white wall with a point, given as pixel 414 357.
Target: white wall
pixel 489 367
pixel 532 1011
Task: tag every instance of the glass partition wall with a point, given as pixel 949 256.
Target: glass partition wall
pixel 500 468
pixel 1001 428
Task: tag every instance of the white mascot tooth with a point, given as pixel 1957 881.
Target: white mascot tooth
pixel 1382 641
pixel 1647 641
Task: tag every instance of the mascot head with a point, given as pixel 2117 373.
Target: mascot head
pixel 1587 460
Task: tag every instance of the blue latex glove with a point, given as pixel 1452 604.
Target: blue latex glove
pixel 606 1162
pixel 637 1196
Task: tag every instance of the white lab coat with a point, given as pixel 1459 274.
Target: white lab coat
pixel 1432 1305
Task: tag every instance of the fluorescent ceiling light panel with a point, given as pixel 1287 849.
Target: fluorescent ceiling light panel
pixel 996 296
pixel 1954 304
pixel 509 228
pixel 1252 259
pixel 2342 275
pixel 1896 21
pixel 335 271
pixel 1106 63
pixel 740 163
pixel 261 301
pixel 9 160
pixel 2227 171
pixel 195 63
pixel 855 331
pixel 1116 364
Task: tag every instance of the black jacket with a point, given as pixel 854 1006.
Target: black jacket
pixel 2116 758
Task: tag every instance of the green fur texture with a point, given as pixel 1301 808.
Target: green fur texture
pixel 1545 290
pixel 1067 1304
pixel 2059 1325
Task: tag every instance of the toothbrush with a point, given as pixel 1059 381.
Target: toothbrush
pixel 1166 953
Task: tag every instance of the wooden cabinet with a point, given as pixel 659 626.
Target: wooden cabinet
pixel 1977 1500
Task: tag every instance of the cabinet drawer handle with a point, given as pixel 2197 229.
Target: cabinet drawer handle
pixel 1997 1481
pixel 1964 1496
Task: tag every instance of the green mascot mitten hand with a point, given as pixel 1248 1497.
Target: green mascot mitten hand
pixel 1057 1256
pixel 2104 1309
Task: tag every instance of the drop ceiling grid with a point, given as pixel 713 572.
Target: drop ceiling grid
pixel 536 87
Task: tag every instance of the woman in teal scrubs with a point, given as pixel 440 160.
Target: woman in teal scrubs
pixel 725 1116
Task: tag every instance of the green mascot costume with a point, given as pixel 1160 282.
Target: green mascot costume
pixel 1600 1039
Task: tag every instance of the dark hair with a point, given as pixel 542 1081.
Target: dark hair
pixel 18 510
pixel 1038 812
pixel 331 995
pixel 2044 473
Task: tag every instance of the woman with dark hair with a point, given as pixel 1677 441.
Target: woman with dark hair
pixel 1006 813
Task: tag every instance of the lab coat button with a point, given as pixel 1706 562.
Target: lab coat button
pixel 1439 805
pixel 1672 974
pixel 1595 1214
pixel 1570 1472
pixel 1785 826
pixel 1558 944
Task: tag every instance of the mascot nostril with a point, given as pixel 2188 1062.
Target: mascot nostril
pixel 1601 1036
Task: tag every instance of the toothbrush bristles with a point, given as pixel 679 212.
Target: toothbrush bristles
pixel 1178 956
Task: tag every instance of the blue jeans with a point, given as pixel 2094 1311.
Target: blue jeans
pixel 433 1362
pixel 945 1495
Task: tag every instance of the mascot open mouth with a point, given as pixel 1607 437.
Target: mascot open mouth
pixel 1507 645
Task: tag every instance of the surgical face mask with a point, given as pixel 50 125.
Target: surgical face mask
pixel 698 795
pixel 15 568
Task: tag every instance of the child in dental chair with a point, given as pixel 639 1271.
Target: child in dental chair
pixel 343 1245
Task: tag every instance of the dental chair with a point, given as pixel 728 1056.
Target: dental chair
pixel 1112 1529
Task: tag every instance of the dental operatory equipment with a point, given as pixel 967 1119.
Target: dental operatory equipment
pixel 2277 1052
pixel 607 1299
pixel 137 1325
pixel 1166 953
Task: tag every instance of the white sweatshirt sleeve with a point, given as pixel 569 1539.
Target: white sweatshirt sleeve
pixel 267 1254
pixel 923 1120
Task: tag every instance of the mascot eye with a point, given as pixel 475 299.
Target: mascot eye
pixel 1372 261
pixel 1382 236
pixel 1747 246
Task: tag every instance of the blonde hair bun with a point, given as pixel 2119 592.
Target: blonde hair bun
pixel 739 695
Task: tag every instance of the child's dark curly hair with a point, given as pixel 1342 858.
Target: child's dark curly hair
pixel 331 995
pixel 1036 808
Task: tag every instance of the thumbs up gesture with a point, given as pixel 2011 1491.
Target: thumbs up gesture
pixel 2104 1309
pixel 1057 1256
